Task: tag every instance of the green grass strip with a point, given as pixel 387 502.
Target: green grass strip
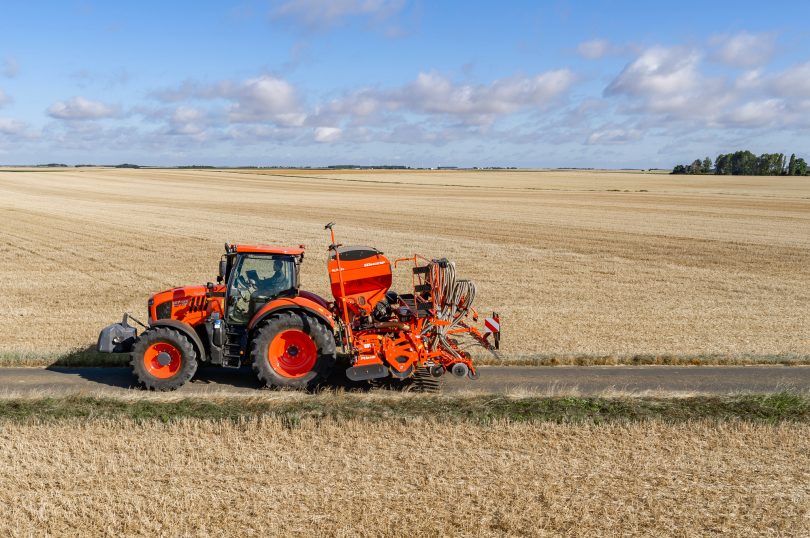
pixel 479 409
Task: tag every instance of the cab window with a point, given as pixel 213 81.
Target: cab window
pixel 257 279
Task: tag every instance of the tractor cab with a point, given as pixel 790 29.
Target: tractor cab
pixel 255 275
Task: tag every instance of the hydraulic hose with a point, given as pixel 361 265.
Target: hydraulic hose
pixel 452 300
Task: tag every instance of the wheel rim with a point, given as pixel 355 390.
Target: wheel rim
pixel 292 353
pixel 162 360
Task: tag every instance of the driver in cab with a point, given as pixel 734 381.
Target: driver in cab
pixel 255 290
pixel 276 283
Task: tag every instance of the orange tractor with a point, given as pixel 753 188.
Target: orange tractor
pixel 257 313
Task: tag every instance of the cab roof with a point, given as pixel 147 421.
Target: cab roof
pixel 266 249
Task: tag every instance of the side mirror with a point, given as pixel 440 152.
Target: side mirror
pixel 223 266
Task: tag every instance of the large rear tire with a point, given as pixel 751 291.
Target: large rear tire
pixel 293 350
pixel 163 359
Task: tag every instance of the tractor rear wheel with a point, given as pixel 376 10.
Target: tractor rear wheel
pixel 292 349
pixel 163 359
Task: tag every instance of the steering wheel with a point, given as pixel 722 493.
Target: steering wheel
pixel 246 286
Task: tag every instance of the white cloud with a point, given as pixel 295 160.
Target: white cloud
pixel 794 81
pixel 668 88
pixel 668 81
pixel 186 120
pixel 10 66
pixel 658 72
pixel 261 99
pixel 9 126
pixel 744 50
pixel 749 80
pixel 434 94
pixel 327 134
pixel 265 98
pixel 324 13
pixel 246 134
pixel 79 108
pixel 613 136
pixel 758 113
pixel 4 98
pixel 594 49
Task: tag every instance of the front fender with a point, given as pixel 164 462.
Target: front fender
pixel 187 330
pixel 292 303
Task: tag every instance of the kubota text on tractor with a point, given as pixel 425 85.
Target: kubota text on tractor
pixel 257 313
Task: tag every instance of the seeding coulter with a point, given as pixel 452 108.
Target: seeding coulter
pixel 256 313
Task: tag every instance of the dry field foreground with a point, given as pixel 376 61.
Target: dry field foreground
pixel 419 479
pixel 577 263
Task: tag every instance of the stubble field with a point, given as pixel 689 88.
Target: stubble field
pixel 420 478
pixel 581 265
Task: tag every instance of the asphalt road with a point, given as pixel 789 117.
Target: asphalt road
pixel 556 380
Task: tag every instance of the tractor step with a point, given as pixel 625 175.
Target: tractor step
pixel 232 350
pixel 231 362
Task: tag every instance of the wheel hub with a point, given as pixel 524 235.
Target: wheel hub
pixel 164 359
pixel 292 353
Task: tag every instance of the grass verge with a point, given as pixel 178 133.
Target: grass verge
pixel 649 359
pixel 292 408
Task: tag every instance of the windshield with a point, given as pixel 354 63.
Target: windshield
pixel 257 279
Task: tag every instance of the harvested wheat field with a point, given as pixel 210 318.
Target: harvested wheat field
pixel 359 478
pixel 580 264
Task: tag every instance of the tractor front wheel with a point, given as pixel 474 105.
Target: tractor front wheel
pixel 292 349
pixel 163 359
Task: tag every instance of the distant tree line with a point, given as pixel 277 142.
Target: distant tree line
pixel 745 163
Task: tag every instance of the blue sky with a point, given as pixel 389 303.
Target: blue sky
pixel 314 82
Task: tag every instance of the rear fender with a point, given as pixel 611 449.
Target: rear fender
pixel 292 303
pixel 185 329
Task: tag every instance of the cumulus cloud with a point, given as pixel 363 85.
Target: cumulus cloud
pixel 10 126
pixel 253 134
pixel 759 113
pixel 265 98
pixel 325 13
pixel 744 50
pixel 434 94
pixel 10 66
pixel 793 82
pixel 594 49
pixel 186 120
pixel 658 72
pixel 613 136
pixel 327 134
pixel 268 105
pixel 668 81
pixel 261 99
pixel 669 89
pixel 80 109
